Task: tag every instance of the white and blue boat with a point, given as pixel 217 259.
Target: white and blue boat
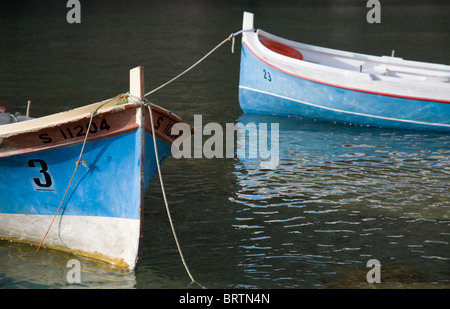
pixel 283 77
pixel 97 211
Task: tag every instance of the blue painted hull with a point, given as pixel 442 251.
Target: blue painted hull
pixel 267 89
pixel 100 211
pixel 109 186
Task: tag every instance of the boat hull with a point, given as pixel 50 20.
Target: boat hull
pixel 265 88
pixel 102 209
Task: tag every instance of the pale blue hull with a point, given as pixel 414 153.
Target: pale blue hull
pixel 101 214
pixel 265 89
pixel 109 186
pixel 76 180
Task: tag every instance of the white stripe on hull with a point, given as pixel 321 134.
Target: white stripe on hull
pixel 344 111
pixel 114 240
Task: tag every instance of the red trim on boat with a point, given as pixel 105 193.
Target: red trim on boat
pixel 104 125
pixel 342 87
pixel 70 133
pixel 282 49
pixel 163 121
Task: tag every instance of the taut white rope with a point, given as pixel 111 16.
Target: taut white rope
pixel 229 38
pixel 144 102
pixel 148 104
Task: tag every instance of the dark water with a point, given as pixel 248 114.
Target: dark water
pixel 341 195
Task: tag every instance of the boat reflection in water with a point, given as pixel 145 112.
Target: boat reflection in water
pixel 340 196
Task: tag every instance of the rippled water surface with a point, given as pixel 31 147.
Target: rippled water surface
pixel 339 197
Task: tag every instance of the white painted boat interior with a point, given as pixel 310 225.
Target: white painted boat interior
pixel 384 66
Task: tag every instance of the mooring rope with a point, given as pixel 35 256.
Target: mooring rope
pixel 229 38
pixel 70 182
pixel 93 113
pixel 146 103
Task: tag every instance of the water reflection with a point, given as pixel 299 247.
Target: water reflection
pixel 340 196
pixel 22 268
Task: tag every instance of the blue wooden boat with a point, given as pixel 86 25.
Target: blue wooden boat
pixel 282 77
pixel 100 211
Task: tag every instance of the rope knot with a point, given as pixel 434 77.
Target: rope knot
pixel 82 162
